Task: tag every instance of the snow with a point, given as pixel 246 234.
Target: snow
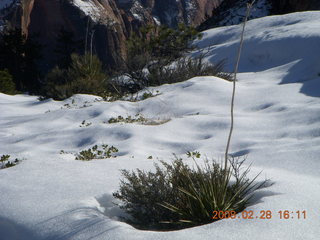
pixel 157 20
pixel 95 10
pixel 53 196
pixel 89 8
pixel 137 10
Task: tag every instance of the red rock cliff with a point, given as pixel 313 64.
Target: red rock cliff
pixel 112 21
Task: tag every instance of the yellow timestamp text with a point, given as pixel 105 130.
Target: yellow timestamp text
pixel 263 214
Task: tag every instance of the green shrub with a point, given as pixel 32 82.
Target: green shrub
pixel 85 75
pixel 56 85
pixel 20 54
pixel 184 69
pixel 96 152
pixel 138 118
pixel 150 54
pixel 147 95
pixel 6 163
pixel 178 196
pixel 162 42
pixel 157 56
pixel 145 71
pixel 84 123
pixel 7 85
pixel 194 154
pixel 129 119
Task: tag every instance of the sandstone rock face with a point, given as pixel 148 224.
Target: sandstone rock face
pixel 103 24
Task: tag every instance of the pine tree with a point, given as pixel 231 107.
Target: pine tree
pixel 19 55
pixel 154 49
pixel 7 85
pixel 84 75
pixel 66 44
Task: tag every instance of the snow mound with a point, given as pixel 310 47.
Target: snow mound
pixel 288 41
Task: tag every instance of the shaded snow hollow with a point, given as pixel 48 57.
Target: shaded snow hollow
pixel 52 196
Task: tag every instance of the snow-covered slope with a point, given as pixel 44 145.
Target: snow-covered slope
pixel 52 196
pixel 282 42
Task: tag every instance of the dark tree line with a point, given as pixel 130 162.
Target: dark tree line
pixel 66 45
pixel 20 56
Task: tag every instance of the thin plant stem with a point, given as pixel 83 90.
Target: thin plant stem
pixel 91 46
pixel 86 41
pixel 249 6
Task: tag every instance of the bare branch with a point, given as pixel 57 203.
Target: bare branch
pixel 249 6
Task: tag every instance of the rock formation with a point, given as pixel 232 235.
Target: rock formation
pixel 103 24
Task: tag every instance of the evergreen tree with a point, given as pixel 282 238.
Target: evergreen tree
pixel 12 54
pixel 163 42
pixel 66 44
pixel 19 55
pixel 32 73
pixel 84 75
pixel 7 85
pixel 154 49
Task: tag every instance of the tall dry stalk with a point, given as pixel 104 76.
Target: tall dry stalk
pixel 249 6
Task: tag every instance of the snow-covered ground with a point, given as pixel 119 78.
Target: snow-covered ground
pixel 53 196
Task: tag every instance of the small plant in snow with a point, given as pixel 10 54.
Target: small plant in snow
pixel 97 152
pixel 6 163
pixel 137 119
pixel 67 105
pixel 194 154
pixel 74 105
pixel 147 95
pixel 85 124
pixel 112 97
pixel 86 104
pixel 129 119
